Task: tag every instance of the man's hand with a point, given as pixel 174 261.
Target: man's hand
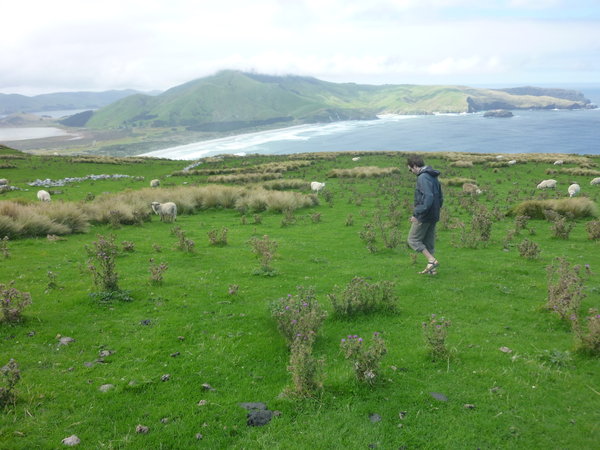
pixel 413 219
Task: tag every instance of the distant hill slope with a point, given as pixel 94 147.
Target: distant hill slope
pixel 15 103
pixel 232 100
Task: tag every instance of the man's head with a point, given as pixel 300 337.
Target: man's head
pixel 415 162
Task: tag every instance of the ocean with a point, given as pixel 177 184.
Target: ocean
pixel 552 131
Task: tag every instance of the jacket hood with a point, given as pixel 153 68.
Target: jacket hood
pixel 429 170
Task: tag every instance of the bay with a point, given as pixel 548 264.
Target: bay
pixel 547 131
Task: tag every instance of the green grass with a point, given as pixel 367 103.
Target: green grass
pixel 494 298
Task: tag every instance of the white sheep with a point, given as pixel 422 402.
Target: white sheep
pixel 559 162
pixel 471 188
pixel 3 182
pixel 499 156
pixel 43 196
pixel 317 186
pixel 166 211
pixel 573 190
pixel 512 162
pixel 595 181
pixel 547 184
pixel 155 183
pixel 356 158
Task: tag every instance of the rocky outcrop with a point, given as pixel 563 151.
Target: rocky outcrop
pixel 498 113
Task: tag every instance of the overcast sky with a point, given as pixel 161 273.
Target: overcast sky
pixel 69 45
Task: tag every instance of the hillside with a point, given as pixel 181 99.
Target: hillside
pixel 232 100
pixel 15 103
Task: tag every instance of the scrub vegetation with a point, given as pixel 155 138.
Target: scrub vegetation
pixel 133 333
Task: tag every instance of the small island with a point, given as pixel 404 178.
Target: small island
pixel 498 113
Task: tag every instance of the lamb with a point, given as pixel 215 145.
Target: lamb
pixel 573 190
pixel 559 162
pixel 3 182
pixel 166 211
pixel 155 183
pixel 317 186
pixel 547 184
pixel 43 196
pixel 595 181
pixel 471 188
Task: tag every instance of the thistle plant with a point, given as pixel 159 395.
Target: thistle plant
pixel 264 249
pixel 4 247
pixel 529 249
pixel 157 271
pixel 101 263
pixel 435 332
pixel 592 228
pixel 306 370
pixel 9 377
pixel 365 358
pixel 565 288
pixel 218 237
pixel 183 243
pixel 128 246
pixel 299 316
pixel 12 302
pixel 360 296
pixel 589 334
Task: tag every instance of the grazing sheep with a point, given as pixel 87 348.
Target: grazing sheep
pixel 471 188
pixel 499 156
pixel 166 211
pixel 43 196
pixel 559 162
pixel 317 186
pixel 547 184
pixel 155 183
pixel 356 158
pixel 3 182
pixel 573 190
pixel 595 181
pixel 512 162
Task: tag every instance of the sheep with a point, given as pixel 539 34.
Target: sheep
pixel 573 190
pixel 166 211
pixel 547 184
pixel 471 188
pixel 559 162
pixel 512 162
pixel 317 186
pixel 43 196
pixel 356 158
pixel 499 156
pixel 3 182
pixel 595 181
pixel 155 183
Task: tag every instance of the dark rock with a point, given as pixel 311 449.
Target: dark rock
pixel 438 396
pixel 374 418
pixel 258 418
pixel 146 322
pixel 254 406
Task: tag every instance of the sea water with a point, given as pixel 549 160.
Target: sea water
pixel 555 131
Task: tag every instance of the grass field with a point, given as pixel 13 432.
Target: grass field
pixel 183 354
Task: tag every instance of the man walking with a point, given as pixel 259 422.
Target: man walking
pixel 426 212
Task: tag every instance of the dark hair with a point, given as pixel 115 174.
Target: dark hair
pixel 415 161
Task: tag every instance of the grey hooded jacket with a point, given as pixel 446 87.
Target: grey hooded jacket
pixel 428 196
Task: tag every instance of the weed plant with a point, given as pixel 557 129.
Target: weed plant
pixel 565 288
pixel 218 237
pixel 593 229
pixel 435 332
pixel 9 377
pixel 102 263
pixel 529 249
pixel 264 248
pixel 365 359
pixel 4 247
pixel 157 271
pixel 361 296
pixel 13 303
pixel 589 333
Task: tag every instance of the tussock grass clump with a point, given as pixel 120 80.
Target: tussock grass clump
pixel 264 200
pixel 461 163
pixel 93 159
pixel 363 172
pixel 576 171
pixel 575 207
pixel 457 181
pixel 244 178
pixel 282 184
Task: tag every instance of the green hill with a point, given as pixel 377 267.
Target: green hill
pixel 232 100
